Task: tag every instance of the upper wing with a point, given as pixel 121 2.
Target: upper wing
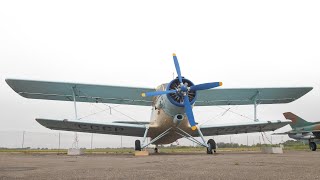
pixel 83 92
pixel 105 128
pixel 246 96
pixel 250 127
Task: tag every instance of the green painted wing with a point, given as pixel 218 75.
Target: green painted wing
pixel 132 95
pixel 245 96
pixel 245 127
pixel 62 91
pixel 91 127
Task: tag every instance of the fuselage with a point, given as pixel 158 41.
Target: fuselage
pixel 164 115
pixel 306 132
pixel 301 136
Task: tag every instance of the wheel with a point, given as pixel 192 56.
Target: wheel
pixel 313 146
pixel 137 146
pixel 211 146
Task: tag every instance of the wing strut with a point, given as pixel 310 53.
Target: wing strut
pixel 76 139
pixel 254 98
pixel 74 102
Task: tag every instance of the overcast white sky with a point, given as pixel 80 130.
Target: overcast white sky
pixel 241 43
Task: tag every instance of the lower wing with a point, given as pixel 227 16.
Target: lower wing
pixel 124 129
pixel 250 127
pixel 283 133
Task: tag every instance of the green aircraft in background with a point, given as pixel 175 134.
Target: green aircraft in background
pixel 303 130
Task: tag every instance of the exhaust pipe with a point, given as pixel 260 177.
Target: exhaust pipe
pixel 178 118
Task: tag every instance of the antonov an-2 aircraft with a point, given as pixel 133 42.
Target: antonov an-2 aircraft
pixel 171 117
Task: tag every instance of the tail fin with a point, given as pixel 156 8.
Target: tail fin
pixel 296 120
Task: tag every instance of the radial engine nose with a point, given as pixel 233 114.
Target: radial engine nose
pixel 178 118
pixel 182 90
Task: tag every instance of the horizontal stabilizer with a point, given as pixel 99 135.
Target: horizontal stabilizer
pixel 249 127
pixel 89 127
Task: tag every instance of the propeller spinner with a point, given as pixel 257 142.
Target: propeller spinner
pixel 182 92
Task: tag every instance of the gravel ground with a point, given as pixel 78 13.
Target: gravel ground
pixel 223 165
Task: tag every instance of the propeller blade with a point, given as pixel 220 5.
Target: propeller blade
pixel 176 64
pixel 189 113
pixel 205 86
pixel 157 93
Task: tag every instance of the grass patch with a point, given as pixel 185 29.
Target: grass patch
pixel 178 149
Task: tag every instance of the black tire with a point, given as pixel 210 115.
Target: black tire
pixel 211 146
pixel 137 146
pixel 313 146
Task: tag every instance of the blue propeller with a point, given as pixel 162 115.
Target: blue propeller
pixel 183 90
pixel 205 86
pixel 157 93
pixel 189 112
pixel 176 64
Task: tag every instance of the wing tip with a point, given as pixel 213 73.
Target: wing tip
pixel 8 80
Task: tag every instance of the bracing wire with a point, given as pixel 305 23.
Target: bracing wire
pixel 109 107
pixel 229 110
pixel 224 112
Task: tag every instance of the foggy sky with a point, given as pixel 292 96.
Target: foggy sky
pixel 130 43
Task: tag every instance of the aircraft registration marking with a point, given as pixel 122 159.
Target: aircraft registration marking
pixel 100 128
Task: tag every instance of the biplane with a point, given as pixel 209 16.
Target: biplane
pixel 172 116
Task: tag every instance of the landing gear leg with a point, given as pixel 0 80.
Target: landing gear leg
pixel 211 146
pixel 313 146
pixel 137 146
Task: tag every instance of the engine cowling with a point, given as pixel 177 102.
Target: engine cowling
pixel 177 98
